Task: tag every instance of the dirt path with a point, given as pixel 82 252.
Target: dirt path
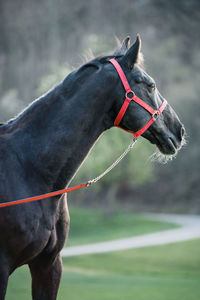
pixel 190 229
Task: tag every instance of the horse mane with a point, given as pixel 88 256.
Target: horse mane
pixel 27 111
pixel 90 60
pixel 89 56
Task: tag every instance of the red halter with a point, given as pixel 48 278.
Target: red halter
pixel 128 98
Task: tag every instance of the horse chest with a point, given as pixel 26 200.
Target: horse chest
pixel 28 235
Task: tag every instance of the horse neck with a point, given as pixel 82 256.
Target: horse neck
pixel 56 133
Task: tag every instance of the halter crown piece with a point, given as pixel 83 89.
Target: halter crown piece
pixel 130 96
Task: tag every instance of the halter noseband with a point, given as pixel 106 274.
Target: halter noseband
pixel 129 96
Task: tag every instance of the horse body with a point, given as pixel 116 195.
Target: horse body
pixel 40 153
pixel 41 150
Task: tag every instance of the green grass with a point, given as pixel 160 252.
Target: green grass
pixel 89 226
pixel 170 272
pixel 157 273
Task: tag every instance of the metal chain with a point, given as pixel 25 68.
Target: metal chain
pixel 115 163
pixel 52 194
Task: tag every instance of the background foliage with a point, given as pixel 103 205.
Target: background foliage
pixel 42 41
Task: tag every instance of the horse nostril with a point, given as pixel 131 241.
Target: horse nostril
pixel 182 131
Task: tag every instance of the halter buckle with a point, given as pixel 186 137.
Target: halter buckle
pixel 129 94
pixel 155 115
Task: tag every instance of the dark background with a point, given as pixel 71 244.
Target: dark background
pixel 42 41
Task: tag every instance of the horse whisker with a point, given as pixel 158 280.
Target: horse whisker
pixel 161 158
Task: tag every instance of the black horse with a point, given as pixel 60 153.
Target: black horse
pixel 42 148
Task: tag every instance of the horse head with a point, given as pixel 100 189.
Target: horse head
pixel 167 132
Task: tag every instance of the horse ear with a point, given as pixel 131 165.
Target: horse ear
pixel 122 47
pixel 132 55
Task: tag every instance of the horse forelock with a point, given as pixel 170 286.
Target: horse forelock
pixel 90 59
pixel 140 60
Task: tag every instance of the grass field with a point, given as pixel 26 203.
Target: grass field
pixel 89 226
pixel 154 273
pixel 170 272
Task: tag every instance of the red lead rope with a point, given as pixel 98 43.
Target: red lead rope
pixel 36 198
pixel 118 119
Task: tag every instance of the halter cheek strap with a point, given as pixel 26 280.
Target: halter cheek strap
pixel 130 96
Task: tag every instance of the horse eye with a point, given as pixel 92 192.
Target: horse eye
pixel 152 86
